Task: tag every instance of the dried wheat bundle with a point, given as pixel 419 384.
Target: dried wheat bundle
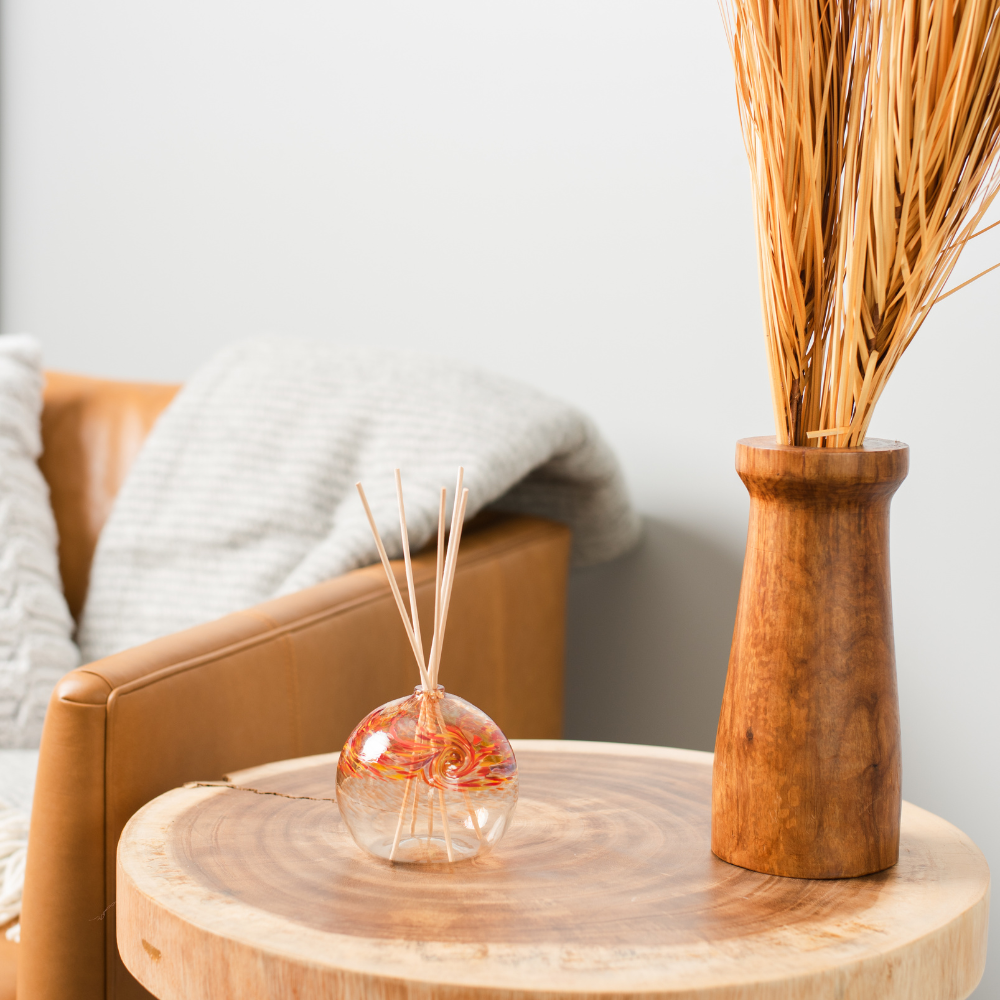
pixel 872 130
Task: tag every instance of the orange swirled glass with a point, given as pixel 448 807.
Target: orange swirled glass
pixel 427 778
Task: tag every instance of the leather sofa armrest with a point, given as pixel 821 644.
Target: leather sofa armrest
pixel 284 679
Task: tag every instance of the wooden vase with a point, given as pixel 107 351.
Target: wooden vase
pixel 807 775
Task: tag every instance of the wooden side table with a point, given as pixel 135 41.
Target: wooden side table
pixel 604 886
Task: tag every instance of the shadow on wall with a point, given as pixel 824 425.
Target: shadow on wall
pixel 648 641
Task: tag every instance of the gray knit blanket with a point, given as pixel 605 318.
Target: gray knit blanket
pixel 244 489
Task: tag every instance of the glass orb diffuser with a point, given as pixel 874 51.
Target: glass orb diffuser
pixel 427 779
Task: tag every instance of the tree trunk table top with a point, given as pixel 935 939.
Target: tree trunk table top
pixel 604 885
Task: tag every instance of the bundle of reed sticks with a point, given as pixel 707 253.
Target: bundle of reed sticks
pixel 872 128
pixel 430 721
pixel 444 578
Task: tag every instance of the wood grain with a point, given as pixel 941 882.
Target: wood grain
pixel 807 756
pixel 605 884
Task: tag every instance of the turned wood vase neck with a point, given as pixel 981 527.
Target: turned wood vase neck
pixel 825 475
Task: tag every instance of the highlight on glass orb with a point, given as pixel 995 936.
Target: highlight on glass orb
pixel 427 779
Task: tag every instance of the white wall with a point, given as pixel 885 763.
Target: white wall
pixel 556 190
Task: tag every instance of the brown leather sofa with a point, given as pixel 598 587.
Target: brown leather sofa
pixel 284 679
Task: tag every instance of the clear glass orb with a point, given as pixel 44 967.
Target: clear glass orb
pixel 427 779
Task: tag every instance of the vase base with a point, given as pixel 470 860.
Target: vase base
pixel 803 869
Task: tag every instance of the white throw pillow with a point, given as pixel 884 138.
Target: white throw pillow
pixel 36 645
pixel 17 786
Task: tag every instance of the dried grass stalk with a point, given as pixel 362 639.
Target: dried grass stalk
pixel 872 130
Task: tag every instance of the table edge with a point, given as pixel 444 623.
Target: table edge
pixel 975 914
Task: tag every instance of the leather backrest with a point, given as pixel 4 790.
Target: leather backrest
pixel 92 430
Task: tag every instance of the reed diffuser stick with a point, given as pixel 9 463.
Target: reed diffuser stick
pixel 399 825
pixel 439 569
pixel 408 563
pixel 417 652
pixel 413 813
pixel 449 579
pixel 439 598
pixel 444 820
pixel 473 816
